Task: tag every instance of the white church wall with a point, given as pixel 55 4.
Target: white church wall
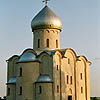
pixel 30 73
pixel 68 75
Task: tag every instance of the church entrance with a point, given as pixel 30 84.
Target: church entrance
pixel 69 97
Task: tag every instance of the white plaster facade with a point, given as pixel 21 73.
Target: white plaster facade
pixel 48 72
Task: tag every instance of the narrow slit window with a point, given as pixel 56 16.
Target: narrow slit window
pixel 48 43
pixel 68 61
pixel 8 93
pixel 70 79
pixel 57 89
pixel 56 43
pixel 40 89
pixel 38 43
pixel 20 91
pixel 57 67
pixel 67 79
pixel 81 89
pixel 20 71
pixel 81 76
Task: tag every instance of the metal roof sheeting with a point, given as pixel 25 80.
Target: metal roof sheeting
pixel 44 79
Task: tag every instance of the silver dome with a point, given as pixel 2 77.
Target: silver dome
pixel 44 79
pixel 46 18
pixel 12 80
pixel 27 57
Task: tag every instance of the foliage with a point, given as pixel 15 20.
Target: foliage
pixel 95 98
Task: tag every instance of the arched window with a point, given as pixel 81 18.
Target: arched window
pixel 69 97
pixel 57 67
pixel 81 89
pixel 68 61
pixel 47 42
pixel 20 73
pixel 67 79
pixel 40 89
pixel 56 43
pixel 38 43
pixel 20 90
pixel 57 89
pixel 81 76
pixel 70 79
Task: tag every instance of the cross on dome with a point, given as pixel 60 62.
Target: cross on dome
pixel 46 2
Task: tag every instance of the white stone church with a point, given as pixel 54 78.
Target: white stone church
pixel 47 72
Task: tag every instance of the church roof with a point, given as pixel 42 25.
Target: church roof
pixel 46 18
pixel 44 79
pixel 12 80
pixel 14 56
pixel 28 57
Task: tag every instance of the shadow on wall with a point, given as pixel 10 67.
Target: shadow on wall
pixel 4 98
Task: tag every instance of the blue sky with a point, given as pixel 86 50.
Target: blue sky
pixel 81 31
